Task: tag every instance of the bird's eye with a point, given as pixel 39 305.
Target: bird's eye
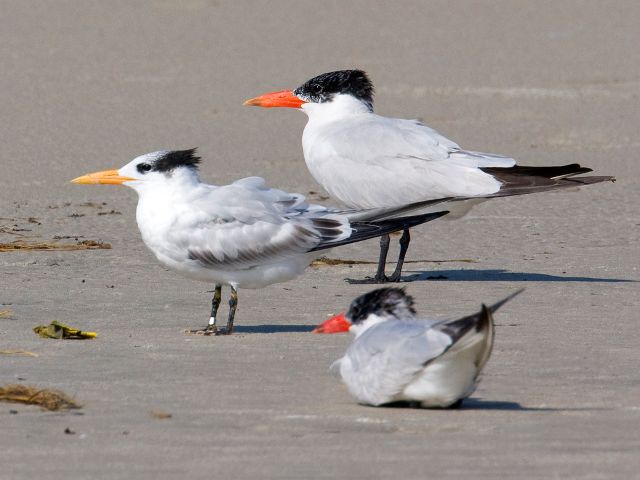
pixel 316 89
pixel 144 167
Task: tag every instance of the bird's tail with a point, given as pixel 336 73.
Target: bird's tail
pixel 363 230
pixel 521 180
pixel 468 330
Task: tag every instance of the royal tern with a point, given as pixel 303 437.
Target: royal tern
pixel 397 357
pixel 370 161
pixel 243 234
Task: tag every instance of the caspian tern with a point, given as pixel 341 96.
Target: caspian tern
pixel 397 357
pixel 242 235
pixel 370 161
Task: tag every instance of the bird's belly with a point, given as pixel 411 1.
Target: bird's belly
pixel 442 383
pixel 249 277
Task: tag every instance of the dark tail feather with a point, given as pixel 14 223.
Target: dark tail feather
pixel 493 308
pixel 523 180
pixel 483 324
pixel 456 329
pixel 366 230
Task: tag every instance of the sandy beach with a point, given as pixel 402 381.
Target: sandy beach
pixel 88 85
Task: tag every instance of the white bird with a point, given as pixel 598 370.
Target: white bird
pixel 242 235
pixel 370 161
pixel 397 357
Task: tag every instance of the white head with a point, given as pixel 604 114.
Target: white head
pixel 370 309
pixel 152 169
pixel 333 93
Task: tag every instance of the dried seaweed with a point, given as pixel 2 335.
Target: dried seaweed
pixel 46 398
pixel 82 245
pixel 60 331
pixel 24 353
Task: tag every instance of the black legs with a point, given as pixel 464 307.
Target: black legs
pixel 404 245
pixel 215 303
pixel 382 260
pixel 212 328
pixel 233 303
pixel 384 249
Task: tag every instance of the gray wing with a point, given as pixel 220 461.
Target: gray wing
pixel 384 360
pixel 405 162
pixel 246 224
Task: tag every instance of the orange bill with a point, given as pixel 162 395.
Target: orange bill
pixel 106 177
pixel 336 324
pixel 285 98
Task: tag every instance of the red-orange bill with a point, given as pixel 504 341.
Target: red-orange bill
pixel 284 98
pixel 336 324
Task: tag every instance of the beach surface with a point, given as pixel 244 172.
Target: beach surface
pixel 88 85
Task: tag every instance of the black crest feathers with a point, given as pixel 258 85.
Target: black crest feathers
pixel 176 158
pixel 383 301
pixel 321 88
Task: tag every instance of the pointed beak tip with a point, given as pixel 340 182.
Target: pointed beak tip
pixel 81 180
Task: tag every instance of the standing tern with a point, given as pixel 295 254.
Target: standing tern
pixel 242 235
pixel 397 357
pixel 370 161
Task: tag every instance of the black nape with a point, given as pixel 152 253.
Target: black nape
pixel 176 158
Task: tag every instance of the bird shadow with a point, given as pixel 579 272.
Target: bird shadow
pixel 479 404
pixel 273 328
pixel 493 275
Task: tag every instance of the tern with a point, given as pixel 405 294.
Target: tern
pixel 241 235
pixel 369 161
pixel 397 357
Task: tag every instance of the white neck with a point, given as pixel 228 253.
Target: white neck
pixel 162 202
pixel 179 181
pixel 359 328
pixel 340 106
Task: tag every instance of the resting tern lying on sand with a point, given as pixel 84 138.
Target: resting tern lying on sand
pixel 397 357
pixel 369 161
pixel 242 235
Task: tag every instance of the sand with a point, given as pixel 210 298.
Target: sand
pixel 87 86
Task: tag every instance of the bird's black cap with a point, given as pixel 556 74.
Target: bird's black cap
pixel 176 158
pixel 323 87
pixel 382 302
pixel 168 161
